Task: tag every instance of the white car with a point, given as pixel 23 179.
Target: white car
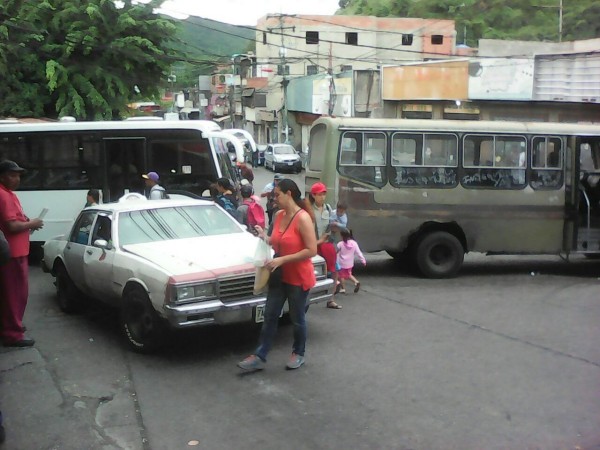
pixel 183 263
pixel 282 158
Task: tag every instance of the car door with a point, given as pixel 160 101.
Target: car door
pixel 97 261
pixel 269 157
pixel 75 249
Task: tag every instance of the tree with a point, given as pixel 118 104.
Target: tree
pixel 80 58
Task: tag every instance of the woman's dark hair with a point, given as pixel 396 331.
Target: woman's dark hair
pixel 214 192
pixel 288 185
pixel 225 183
pixel 346 234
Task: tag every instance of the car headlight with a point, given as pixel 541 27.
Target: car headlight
pixel 196 292
pixel 320 270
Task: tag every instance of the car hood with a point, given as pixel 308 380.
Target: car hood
pixel 208 255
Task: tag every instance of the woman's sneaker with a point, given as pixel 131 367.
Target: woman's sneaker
pixel 295 361
pixel 251 363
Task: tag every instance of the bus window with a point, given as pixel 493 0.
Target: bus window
pixel 546 163
pixel 495 162
pixel 440 150
pixel 426 159
pixel 183 165
pixel 363 157
pixel 509 151
pixel 348 148
pixel 404 149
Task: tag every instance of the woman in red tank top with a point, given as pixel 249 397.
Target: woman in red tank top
pixel 294 241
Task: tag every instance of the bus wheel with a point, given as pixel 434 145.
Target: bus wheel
pixel 66 292
pixel 143 329
pixel 439 255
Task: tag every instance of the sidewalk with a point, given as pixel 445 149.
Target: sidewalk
pixel 38 416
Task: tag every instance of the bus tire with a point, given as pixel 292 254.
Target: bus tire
pixel 439 255
pixel 143 329
pixel 69 298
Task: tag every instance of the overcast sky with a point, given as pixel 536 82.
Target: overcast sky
pixel 247 12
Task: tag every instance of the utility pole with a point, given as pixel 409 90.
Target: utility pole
pixel 560 17
pixel 285 81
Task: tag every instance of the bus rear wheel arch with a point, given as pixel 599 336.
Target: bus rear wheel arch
pixel 439 254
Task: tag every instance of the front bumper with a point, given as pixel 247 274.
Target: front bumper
pixel 295 166
pixel 215 312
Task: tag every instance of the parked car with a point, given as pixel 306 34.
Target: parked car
pixel 282 157
pixel 163 263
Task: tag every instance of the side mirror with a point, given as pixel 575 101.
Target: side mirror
pixel 103 244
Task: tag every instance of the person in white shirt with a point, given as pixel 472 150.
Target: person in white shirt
pixel 154 190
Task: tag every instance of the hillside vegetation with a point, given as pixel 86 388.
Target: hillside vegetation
pixel 494 19
pixel 203 43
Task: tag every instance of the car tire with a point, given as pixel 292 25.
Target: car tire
pixel 142 327
pixel 69 298
pixel 439 255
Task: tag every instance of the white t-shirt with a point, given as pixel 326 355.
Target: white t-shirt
pixel 157 192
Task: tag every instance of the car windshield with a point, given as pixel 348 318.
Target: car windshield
pixel 182 222
pixel 285 150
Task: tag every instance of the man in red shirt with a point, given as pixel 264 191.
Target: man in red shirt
pixel 14 275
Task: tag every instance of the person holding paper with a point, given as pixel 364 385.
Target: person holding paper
pixel 14 275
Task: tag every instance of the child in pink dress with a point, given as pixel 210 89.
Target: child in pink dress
pixel 347 251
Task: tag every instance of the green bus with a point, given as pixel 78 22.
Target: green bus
pixel 429 191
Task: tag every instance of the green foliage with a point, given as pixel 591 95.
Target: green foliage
pixel 59 58
pixel 498 19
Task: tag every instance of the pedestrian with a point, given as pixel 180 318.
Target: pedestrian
pixel 226 197
pixel 254 156
pixel 246 172
pixel 293 240
pixel 14 275
pixel 347 251
pixel 338 221
pixel 250 212
pixel 322 212
pixel 154 191
pixel 93 197
pixel 269 193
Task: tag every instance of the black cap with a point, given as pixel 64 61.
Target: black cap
pixel 10 166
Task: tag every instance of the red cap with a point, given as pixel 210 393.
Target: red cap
pixel 318 188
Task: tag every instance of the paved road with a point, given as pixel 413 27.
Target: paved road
pixel 495 359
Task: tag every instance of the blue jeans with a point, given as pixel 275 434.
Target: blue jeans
pixel 276 298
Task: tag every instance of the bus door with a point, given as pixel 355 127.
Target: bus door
pixel 124 167
pixel 588 218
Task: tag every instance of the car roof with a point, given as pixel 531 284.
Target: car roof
pixel 141 204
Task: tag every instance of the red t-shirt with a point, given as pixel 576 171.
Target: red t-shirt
pixel 11 210
pixel 288 242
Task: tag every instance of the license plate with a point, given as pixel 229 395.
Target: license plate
pixel 290 164
pixel 259 314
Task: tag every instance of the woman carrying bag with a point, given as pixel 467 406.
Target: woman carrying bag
pixel 292 274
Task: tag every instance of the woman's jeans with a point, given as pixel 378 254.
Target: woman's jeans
pixel 276 297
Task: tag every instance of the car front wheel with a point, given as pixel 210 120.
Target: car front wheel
pixel 143 329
